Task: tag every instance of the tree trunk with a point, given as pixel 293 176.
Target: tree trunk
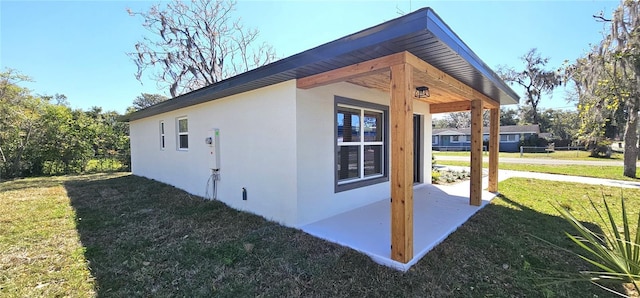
pixel 2 157
pixel 534 111
pixel 16 169
pixel 631 140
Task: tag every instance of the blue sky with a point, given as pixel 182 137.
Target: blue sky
pixel 78 48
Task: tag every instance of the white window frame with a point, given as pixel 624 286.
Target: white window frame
pixel 362 180
pixel 509 138
pixel 434 138
pixel 362 143
pixel 455 141
pixel 182 133
pixel 163 140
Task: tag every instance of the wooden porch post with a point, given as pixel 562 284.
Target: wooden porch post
pixel 401 110
pixel 494 143
pixel 475 193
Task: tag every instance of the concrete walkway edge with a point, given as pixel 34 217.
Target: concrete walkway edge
pixel 506 174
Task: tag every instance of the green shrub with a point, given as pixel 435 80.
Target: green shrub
pixel 533 141
pixel 600 149
pixel 448 176
pixel 435 176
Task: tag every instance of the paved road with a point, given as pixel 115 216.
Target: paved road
pixel 537 161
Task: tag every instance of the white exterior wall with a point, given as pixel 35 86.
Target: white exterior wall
pixel 277 142
pixel 257 150
pixel 315 167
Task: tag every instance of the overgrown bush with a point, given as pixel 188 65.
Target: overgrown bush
pixel 600 149
pixel 561 142
pixel 533 141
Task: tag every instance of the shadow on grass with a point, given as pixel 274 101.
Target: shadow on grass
pixel 47 181
pixel 24 183
pixel 145 238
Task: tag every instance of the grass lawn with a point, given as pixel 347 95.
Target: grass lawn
pixel 116 235
pixel 607 172
pixel 568 155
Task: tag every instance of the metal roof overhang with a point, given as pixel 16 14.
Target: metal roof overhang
pixel 421 33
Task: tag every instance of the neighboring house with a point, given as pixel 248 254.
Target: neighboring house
pixel 451 139
pixel 317 134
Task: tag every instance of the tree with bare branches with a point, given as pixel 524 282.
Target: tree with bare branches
pixel 196 44
pixel 534 78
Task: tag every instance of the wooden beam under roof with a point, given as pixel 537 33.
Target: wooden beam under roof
pixel 440 76
pixel 458 106
pixel 380 81
pixel 351 72
pixel 375 74
pixel 488 103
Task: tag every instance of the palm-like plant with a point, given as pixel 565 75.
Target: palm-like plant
pixel 616 255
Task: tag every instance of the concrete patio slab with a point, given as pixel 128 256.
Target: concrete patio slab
pixel 438 211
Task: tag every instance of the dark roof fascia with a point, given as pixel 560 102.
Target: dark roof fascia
pixel 441 30
pixel 424 19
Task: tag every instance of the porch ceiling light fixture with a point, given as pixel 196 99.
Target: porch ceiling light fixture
pixel 422 92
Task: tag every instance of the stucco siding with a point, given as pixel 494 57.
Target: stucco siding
pixel 317 198
pixel 257 150
pixel 277 142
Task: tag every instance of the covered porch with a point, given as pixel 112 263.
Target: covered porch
pixel 434 211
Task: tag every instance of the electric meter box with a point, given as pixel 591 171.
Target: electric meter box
pixel 213 142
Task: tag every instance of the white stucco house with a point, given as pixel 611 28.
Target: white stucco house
pixel 324 131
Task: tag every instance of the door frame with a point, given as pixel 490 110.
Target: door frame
pixel 418 152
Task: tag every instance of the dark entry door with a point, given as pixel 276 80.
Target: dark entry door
pixel 417 148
